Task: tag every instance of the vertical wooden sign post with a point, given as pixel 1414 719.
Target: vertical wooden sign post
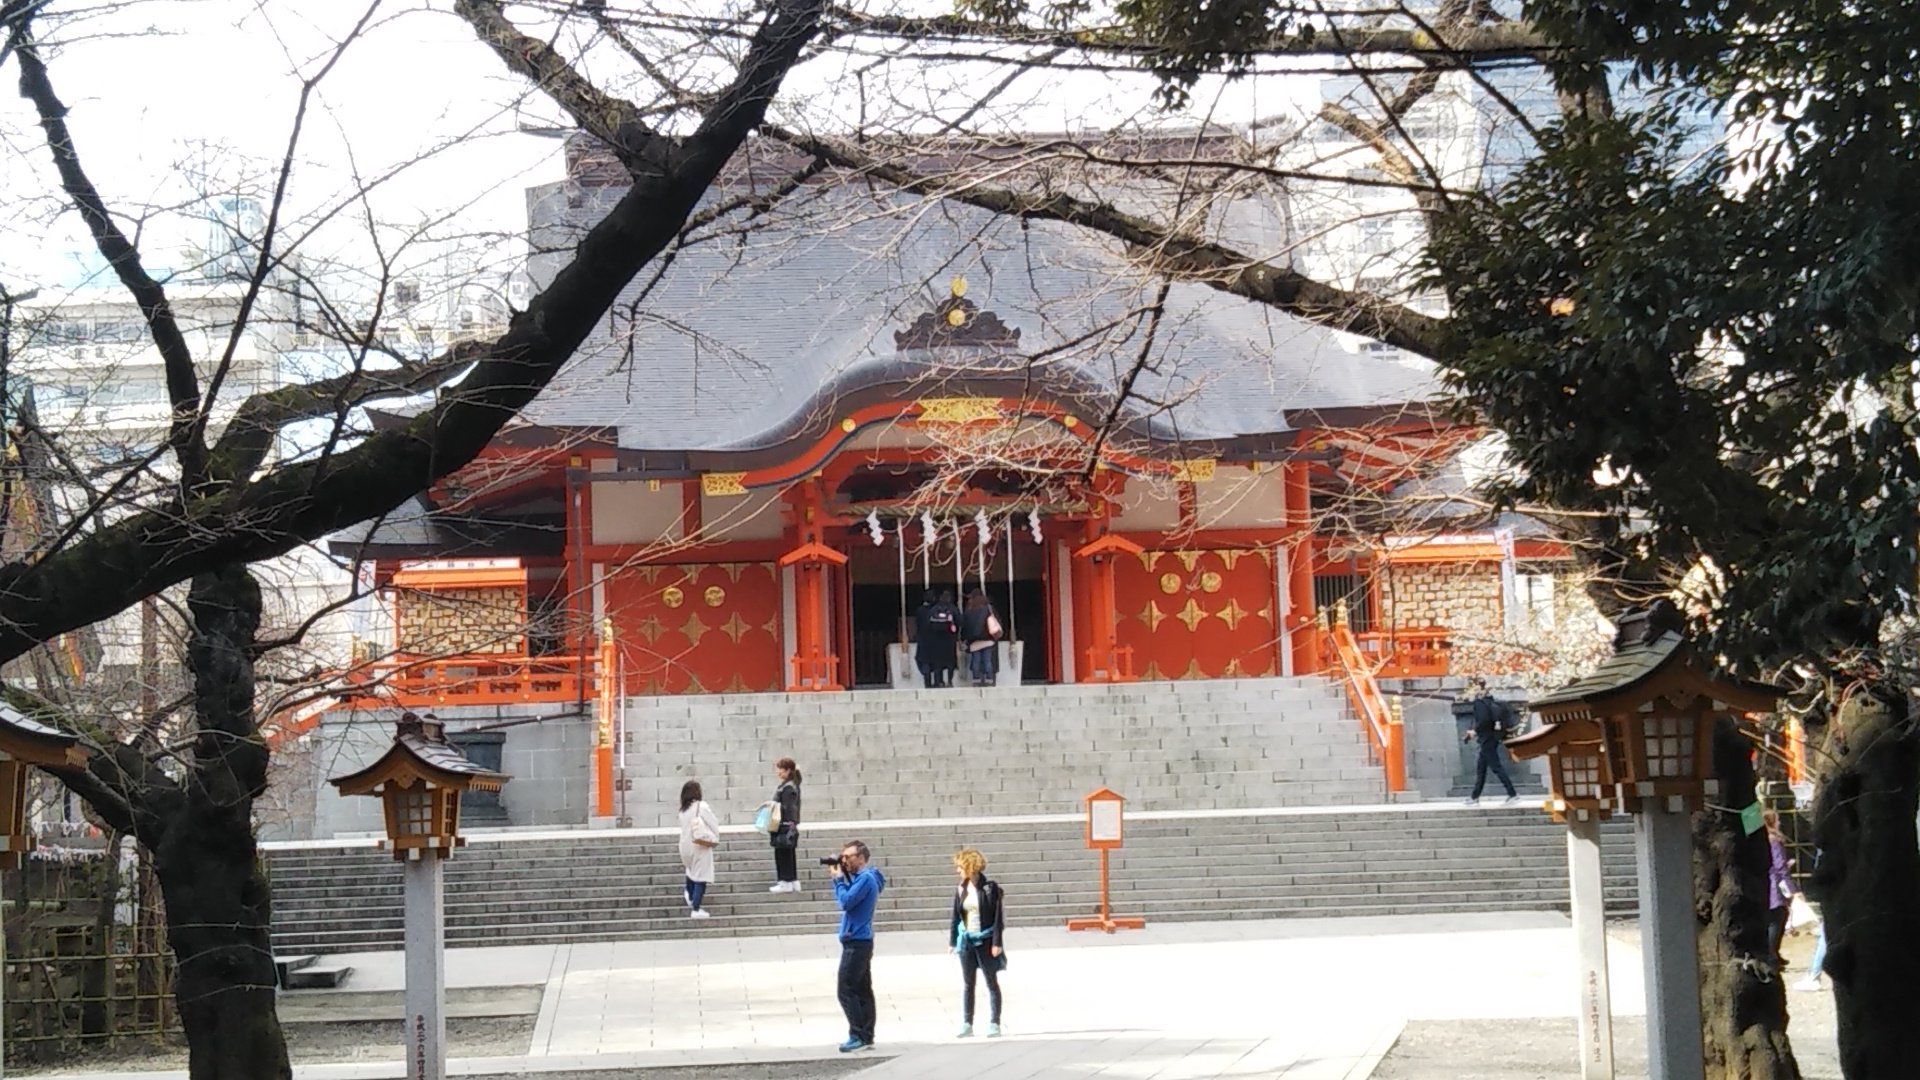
pixel 1105 832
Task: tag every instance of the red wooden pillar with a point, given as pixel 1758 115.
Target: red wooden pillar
pixel 1303 635
pixel 813 665
pixel 1106 660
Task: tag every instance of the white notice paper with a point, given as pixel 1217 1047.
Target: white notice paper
pixel 1105 824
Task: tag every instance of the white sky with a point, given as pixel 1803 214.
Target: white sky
pixel 173 97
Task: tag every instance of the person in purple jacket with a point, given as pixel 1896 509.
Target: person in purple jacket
pixel 1780 888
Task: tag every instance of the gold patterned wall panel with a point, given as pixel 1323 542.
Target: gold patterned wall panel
pixel 449 622
pixel 702 628
pixel 1198 614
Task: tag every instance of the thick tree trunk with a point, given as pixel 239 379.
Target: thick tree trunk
pixel 1743 1000
pixel 210 871
pixel 1867 881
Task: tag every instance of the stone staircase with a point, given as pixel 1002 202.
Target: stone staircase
pixel 585 886
pixel 894 754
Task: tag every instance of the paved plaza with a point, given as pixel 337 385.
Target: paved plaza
pixel 1300 999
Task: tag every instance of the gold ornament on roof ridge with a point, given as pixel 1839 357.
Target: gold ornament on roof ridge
pixel 958 410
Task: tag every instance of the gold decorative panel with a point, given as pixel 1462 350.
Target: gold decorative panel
pixel 1194 470
pixel 958 410
pixel 723 483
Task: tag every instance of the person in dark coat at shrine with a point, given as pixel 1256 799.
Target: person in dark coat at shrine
pixel 980 629
pixel 936 636
pixel 1492 723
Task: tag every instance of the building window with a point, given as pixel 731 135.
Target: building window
pixel 1330 589
pixel 1534 595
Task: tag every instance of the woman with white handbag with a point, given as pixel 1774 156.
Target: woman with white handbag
pixel 699 835
pixel 783 812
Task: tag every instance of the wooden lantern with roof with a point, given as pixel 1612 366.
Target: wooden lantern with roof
pixel 25 743
pixel 420 780
pixel 1654 703
pixel 1581 777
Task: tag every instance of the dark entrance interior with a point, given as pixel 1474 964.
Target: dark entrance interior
pixel 876 603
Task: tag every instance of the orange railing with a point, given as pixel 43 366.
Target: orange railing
pixel 471 680
pixel 819 672
pixel 1422 652
pixel 1114 664
pixel 1386 734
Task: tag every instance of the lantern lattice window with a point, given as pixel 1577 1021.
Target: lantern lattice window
pixel 416 812
pixel 1669 745
pixel 1580 773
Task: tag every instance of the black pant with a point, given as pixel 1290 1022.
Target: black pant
pixel 786 862
pixel 979 957
pixel 856 988
pixel 1490 759
pixel 1777 932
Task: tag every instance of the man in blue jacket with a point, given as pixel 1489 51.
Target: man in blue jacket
pixel 857 887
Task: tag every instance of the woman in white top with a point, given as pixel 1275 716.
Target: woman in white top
pixel 699 835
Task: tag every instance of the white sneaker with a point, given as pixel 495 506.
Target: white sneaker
pixel 778 886
pixel 697 913
pixel 1473 802
pixel 1810 983
pixel 1512 800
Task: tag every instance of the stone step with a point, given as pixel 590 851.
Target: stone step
pixel 591 887
pixel 675 925
pixel 1304 834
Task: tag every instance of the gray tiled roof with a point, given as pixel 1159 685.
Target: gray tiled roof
pixel 34 729
pixel 738 334
pixel 443 755
pixel 1624 668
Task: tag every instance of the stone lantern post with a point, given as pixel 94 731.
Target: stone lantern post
pixel 419 781
pixel 1654 703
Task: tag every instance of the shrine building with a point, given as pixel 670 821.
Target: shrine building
pixel 770 452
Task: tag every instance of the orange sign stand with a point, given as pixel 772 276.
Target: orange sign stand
pixel 1105 831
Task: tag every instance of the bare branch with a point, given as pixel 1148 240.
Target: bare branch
pixel 1191 259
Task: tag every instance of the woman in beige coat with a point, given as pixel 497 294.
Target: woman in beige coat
pixel 699 835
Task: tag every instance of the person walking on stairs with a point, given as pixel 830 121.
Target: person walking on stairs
pixel 856 887
pixel 699 835
pixel 786 838
pixel 1492 722
pixel 976 932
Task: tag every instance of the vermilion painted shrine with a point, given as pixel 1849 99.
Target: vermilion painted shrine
pixel 748 478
